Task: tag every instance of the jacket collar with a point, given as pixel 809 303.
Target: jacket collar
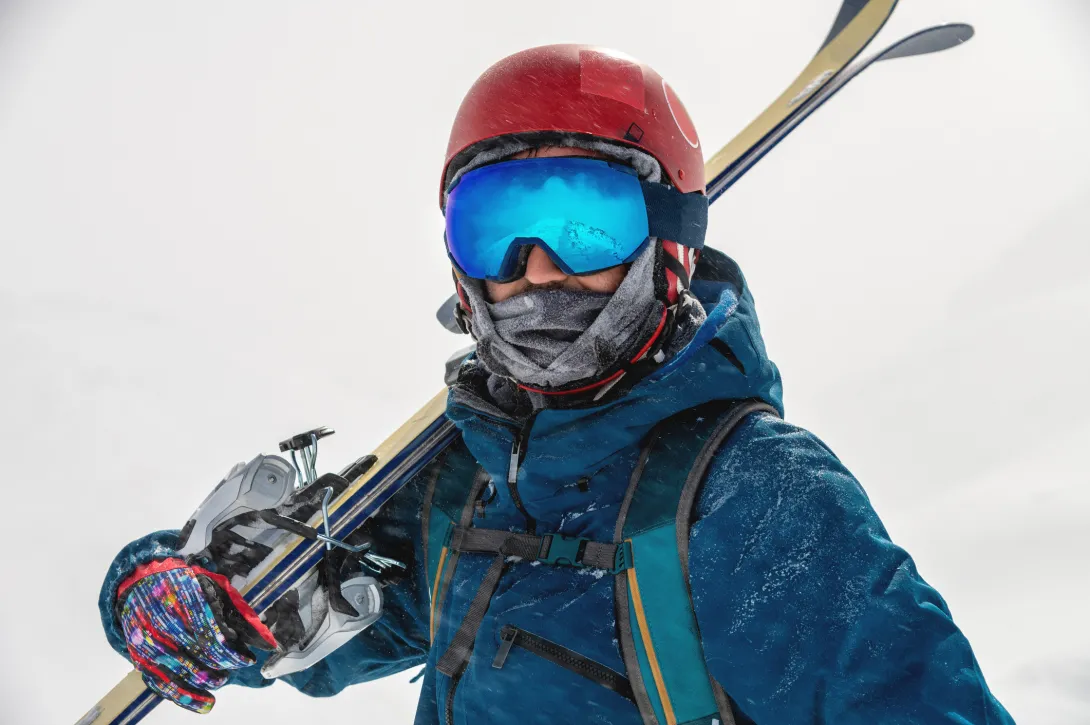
pixel 724 359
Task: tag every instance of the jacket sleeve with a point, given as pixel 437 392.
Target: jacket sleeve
pixel 158 545
pixel 807 611
pixel 396 642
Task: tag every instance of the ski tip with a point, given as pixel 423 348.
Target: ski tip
pixel 961 32
pixel 929 40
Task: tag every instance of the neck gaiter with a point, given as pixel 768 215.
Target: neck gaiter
pixel 548 338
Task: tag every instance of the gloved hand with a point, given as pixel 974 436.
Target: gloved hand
pixel 324 607
pixel 185 628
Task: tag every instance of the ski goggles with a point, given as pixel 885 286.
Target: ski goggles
pixel 586 214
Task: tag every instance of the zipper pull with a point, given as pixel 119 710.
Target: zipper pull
pixel 513 464
pixel 507 640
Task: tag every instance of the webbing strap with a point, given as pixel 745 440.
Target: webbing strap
pixel 659 634
pixel 455 658
pixel 444 507
pixel 551 548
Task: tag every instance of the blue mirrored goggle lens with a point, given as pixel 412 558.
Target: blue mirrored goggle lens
pixel 588 214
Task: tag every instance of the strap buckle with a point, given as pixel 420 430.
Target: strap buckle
pixel 622 558
pixel 560 550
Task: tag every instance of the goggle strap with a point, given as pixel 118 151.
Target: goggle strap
pixel 682 218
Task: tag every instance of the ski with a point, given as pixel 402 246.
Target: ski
pixel 427 433
pixel 393 463
pixel 922 42
pixel 855 26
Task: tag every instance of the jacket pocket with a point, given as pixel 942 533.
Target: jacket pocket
pixel 598 673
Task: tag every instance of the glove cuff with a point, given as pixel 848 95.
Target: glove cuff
pixel 145 570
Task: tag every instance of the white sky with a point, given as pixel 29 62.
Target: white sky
pixel 218 226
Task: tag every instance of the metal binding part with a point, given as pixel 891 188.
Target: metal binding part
pixel 379 564
pixel 307 446
pixel 330 542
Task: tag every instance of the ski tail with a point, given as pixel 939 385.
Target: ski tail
pixel 922 42
pixel 857 24
pixel 929 40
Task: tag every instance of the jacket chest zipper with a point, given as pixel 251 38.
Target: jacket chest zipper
pixel 518 455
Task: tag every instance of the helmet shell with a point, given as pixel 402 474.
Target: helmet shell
pixel 581 89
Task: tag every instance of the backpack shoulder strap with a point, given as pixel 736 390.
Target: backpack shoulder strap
pixel 660 640
pixel 455 480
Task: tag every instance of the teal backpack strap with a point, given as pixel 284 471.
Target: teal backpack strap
pixel 660 640
pixel 445 508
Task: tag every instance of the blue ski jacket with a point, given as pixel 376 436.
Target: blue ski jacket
pixel 808 612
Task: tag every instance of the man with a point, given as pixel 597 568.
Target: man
pixel 620 417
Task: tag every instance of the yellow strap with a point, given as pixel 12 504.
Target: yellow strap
pixel 645 634
pixel 435 592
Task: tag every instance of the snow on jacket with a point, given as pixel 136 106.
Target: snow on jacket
pixel 808 612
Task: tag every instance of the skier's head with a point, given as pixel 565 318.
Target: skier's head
pixel 571 169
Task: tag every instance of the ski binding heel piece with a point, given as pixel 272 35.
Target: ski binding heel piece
pixel 365 596
pixel 264 483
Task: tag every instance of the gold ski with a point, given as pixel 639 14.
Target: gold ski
pixel 834 56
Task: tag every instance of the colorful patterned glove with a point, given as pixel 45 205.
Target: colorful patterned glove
pixel 186 628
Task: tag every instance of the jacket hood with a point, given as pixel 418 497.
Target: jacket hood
pixel 725 359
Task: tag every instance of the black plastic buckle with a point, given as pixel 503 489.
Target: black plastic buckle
pixel 562 550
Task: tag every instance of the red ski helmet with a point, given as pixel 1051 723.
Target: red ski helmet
pixel 580 89
pixel 593 92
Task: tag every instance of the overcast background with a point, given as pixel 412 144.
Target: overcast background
pixel 219 226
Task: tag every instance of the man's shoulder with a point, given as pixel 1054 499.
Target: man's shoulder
pixel 780 518
pixel 771 470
